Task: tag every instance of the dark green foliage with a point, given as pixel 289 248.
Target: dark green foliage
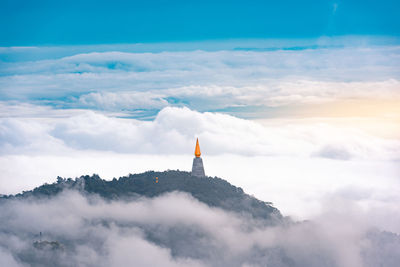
pixel 215 192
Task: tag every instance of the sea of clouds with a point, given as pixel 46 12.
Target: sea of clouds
pixel 173 131
pixel 70 113
pixel 202 80
pixel 177 230
pixel 115 113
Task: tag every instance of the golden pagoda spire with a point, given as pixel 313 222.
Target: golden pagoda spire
pixel 197 152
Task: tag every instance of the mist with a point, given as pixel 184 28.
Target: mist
pixel 177 230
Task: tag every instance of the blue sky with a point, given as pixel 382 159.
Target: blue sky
pixel 26 23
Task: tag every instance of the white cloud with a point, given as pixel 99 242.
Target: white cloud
pixel 7 259
pixel 118 101
pixel 156 232
pixel 205 80
pixel 173 132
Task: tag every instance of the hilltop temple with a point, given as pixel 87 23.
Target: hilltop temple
pixel 198 169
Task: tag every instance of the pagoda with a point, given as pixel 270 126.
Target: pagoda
pixel 197 168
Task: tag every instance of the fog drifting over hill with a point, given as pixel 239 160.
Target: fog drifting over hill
pixel 177 230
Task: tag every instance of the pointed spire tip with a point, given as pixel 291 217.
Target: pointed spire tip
pixel 197 152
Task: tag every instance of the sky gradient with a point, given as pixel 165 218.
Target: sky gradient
pixel 27 23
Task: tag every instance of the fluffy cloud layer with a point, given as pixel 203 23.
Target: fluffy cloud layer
pixel 121 81
pixel 173 132
pixel 149 232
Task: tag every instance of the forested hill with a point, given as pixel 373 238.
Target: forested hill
pixel 215 192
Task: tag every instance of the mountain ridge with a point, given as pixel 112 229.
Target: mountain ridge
pixel 215 192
